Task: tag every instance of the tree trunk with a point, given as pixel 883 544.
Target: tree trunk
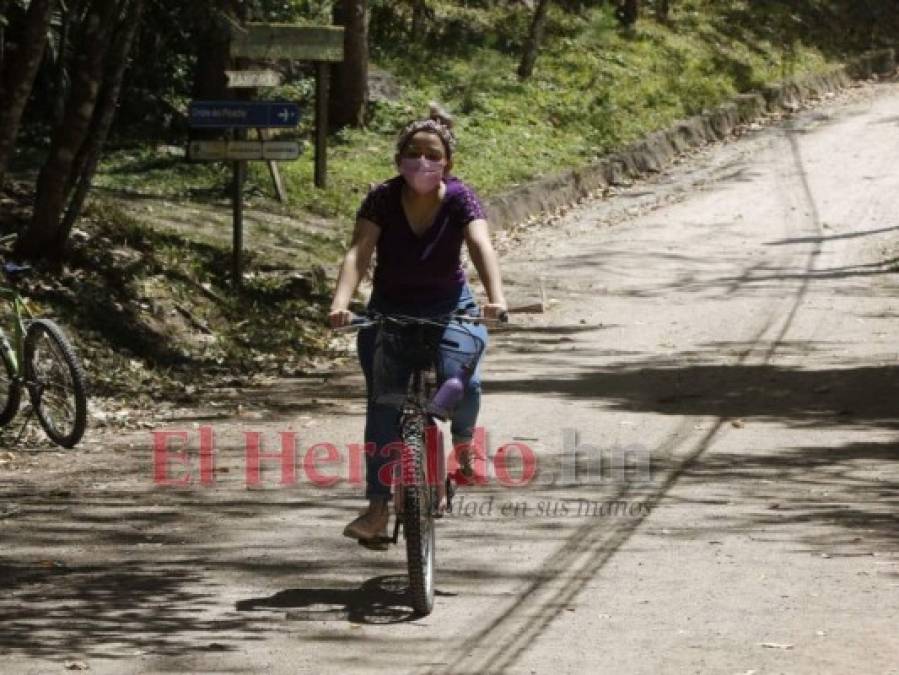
pixel 419 20
pixel 532 46
pixel 4 5
pixel 57 176
pixel 18 75
pixel 628 12
pixel 59 84
pixel 663 7
pixel 104 114
pixel 213 59
pixel 349 88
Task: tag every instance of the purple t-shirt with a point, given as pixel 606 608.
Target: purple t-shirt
pixel 413 269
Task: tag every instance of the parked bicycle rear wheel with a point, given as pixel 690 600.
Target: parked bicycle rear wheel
pixel 9 386
pixel 55 382
pixel 418 517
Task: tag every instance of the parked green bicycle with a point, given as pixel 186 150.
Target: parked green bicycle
pixel 41 360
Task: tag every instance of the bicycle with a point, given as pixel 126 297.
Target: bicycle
pixel 41 360
pixel 422 488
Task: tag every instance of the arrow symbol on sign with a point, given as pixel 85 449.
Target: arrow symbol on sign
pixel 285 115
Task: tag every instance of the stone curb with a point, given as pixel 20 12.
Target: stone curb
pixel 658 149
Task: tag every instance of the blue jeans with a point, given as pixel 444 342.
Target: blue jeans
pixel 382 420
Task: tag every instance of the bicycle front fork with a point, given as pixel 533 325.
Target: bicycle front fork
pixel 12 358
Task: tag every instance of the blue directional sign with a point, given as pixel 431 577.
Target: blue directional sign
pixel 244 114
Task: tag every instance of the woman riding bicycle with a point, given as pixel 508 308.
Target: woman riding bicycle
pixel 417 222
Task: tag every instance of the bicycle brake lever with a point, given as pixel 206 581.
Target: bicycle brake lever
pixel 358 321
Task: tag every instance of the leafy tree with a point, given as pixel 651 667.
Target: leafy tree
pixel 211 32
pixel 627 12
pixel 105 37
pixel 532 44
pixel 349 89
pixel 17 76
pixel 421 15
pixel 663 9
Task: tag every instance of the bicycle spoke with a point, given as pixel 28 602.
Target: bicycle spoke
pixel 58 404
pixel 9 392
pixel 57 387
pixel 54 380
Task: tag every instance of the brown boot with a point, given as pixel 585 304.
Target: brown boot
pixel 372 524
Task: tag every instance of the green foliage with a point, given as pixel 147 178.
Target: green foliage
pixel 292 11
pixel 595 87
pixel 151 171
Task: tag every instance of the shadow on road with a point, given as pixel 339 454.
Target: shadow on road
pixel 118 610
pixel 379 600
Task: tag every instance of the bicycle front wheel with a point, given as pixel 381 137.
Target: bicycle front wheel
pixel 418 517
pixel 55 382
pixel 9 384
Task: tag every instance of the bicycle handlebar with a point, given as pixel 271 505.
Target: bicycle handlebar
pixel 371 318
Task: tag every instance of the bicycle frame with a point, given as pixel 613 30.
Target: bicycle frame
pixel 416 403
pixel 422 491
pixel 20 310
pixel 23 360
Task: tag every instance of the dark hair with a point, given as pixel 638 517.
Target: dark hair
pixel 438 122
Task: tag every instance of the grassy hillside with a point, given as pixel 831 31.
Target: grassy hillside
pixel 151 307
pixel 595 87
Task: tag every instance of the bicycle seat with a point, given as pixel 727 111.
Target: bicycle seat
pixel 14 271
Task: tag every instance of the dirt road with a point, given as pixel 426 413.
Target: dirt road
pixel 730 328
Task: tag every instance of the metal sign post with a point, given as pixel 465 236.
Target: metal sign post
pixel 237 117
pixel 321 44
pixel 253 80
pixel 266 42
pixel 322 72
pixel 240 170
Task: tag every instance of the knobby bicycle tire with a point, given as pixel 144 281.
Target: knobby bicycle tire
pixel 68 437
pixel 10 393
pixel 418 520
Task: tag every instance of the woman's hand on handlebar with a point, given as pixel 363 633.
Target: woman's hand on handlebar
pixel 340 318
pixel 495 311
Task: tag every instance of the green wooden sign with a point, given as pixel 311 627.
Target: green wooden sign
pixel 287 42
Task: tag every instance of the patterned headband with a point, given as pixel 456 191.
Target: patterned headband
pixel 431 125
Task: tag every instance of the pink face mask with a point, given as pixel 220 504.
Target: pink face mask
pixel 422 175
